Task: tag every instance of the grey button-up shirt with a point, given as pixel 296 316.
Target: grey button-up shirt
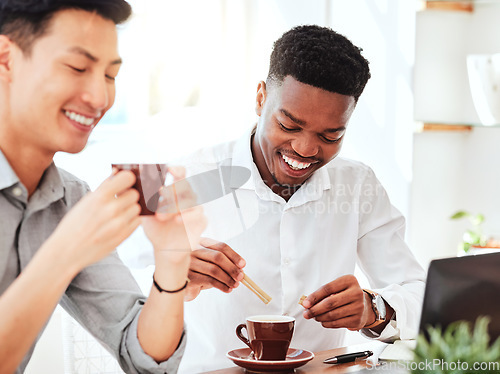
pixel 103 297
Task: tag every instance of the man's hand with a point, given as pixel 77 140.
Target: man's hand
pixel 214 265
pixel 174 230
pixel 99 222
pixel 340 303
pixel 178 223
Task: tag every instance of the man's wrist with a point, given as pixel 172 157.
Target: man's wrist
pixel 373 316
pixel 59 255
pixel 172 258
pixel 379 308
pixel 161 289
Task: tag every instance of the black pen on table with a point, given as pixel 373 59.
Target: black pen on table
pixel 348 357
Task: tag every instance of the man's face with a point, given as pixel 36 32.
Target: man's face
pixel 300 129
pixel 62 89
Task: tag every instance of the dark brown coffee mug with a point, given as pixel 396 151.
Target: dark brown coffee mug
pixel 150 178
pixel 269 336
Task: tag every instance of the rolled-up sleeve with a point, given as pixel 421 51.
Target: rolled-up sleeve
pixel 106 300
pixel 141 362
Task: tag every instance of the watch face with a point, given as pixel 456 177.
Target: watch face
pixel 380 306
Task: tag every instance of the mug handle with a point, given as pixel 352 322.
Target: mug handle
pixel 241 336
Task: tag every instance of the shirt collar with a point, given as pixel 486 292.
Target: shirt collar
pixel 242 156
pixel 50 189
pixel 321 178
pixel 312 189
pixel 7 176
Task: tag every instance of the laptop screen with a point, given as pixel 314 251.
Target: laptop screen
pixel 463 288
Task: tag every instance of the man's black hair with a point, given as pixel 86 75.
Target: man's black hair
pixel 320 57
pixel 23 21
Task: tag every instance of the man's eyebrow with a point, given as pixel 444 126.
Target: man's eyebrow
pixel 333 131
pixel 293 118
pixel 302 122
pixel 90 56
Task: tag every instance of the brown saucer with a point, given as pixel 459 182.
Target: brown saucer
pixel 295 358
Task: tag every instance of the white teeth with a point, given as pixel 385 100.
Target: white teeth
pixel 294 164
pixel 82 120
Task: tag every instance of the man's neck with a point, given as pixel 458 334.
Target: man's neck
pixel 28 163
pixel 285 192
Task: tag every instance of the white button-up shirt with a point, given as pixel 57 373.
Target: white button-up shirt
pixel 339 218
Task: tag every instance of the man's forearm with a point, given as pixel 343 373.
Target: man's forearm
pixel 161 322
pixel 28 303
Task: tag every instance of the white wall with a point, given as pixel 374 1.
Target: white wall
pixel 443 40
pixel 452 170
pixel 380 131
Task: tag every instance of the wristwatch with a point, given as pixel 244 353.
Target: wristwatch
pixel 378 306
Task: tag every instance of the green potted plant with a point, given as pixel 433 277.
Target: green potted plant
pixel 474 236
pixel 460 349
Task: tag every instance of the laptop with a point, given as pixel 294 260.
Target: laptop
pixel 463 288
pixel 458 288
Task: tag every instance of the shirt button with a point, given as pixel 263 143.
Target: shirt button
pixel 17 191
pixel 286 261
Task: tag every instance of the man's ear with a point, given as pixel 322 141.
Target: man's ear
pixel 261 97
pixel 5 57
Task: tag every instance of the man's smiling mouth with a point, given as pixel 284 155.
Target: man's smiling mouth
pixel 82 120
pixel 294 164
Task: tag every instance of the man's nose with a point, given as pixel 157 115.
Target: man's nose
pixel 305 146
pixel 97 94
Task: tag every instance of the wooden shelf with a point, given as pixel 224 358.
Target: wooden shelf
pixel 442 127
pixel 460 6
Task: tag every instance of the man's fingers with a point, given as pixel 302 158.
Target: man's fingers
pixel 117 184
pixel 208 242
pixel 225 249
pixel 206 282
pixel 192 292
pixel 178 172
pixel 175 198
pixel 213 265
pixel 319 295
pixel 346 322
pixel 184 194
pixel 123 207
pixel 337 286
pixel 216 265
pixel 325 305
pixel 132 212
pixel 339 303
pixel 128 197
pixel 338 313
pixel 130 226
